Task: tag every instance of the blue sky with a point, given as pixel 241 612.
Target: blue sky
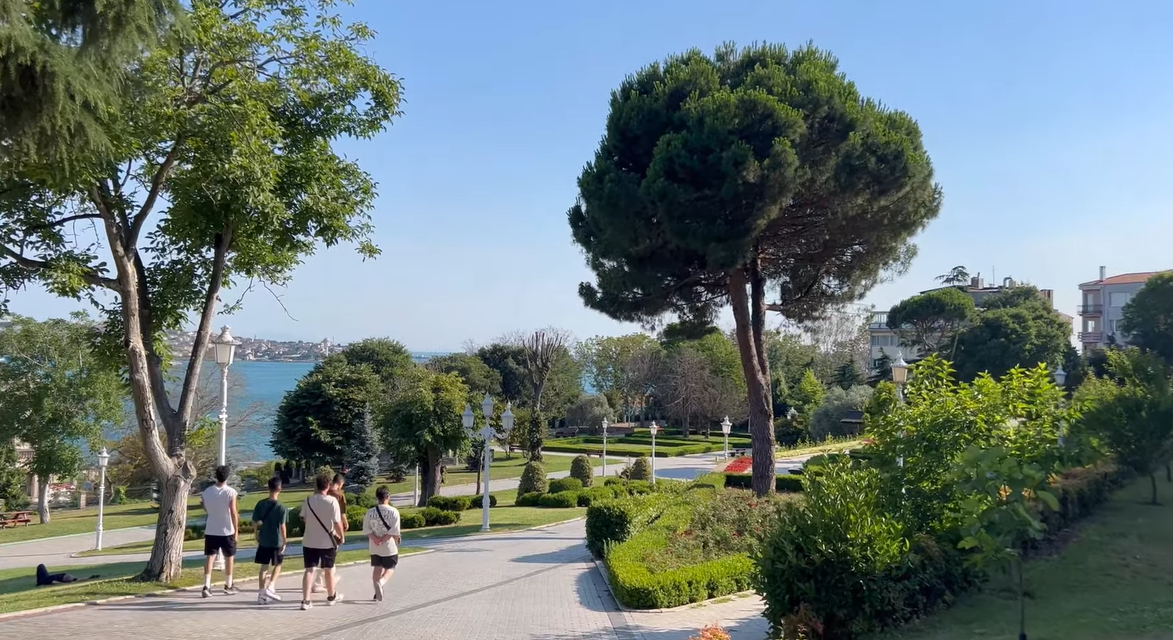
pixel 1048 123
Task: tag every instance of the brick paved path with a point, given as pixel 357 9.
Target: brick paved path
pixel 527 585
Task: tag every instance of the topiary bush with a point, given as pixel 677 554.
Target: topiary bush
pixel 412 521
pixel 581 469
pixel 364 499
pixel 528 499
pixel 354 516
pixel 533 479
pixel 561 500
pixel 610 482
pixel 641 469
pixel 450 503
pixel 478 501
pixel 637 587
pixel 434 517
pixel 595 495
pixel 565 484
pixel 617 520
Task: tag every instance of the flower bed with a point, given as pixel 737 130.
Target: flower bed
pixel 739 465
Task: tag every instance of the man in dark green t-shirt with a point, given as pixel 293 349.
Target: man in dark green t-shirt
pixel 269 515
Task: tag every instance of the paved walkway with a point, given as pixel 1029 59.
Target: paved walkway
pixel 536 585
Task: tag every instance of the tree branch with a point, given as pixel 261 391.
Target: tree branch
pixel 200 345
pixel 156 186
pixel 91 277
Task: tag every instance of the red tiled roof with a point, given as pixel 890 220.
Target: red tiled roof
pixel 1125 278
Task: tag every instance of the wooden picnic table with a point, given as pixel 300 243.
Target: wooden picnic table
pixel 10 520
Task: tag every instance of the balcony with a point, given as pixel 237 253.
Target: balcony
pixel 879 320
pixel 1091 337
pixel 1091 309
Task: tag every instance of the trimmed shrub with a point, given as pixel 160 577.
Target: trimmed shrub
pixel 637 587
pixel 412 521
pixel 354 517
pixel 641 469
pixel 434 517
pixel 787 483
pixel 478 501
pixel 450 503
pixel 709 481
pixel 581 469
pixel 610 482
pixel 294 525
pixel 617 520
pixel 640 487
pixel 533 479
pixel 560 500
pixel 364 500
pixel 119 496
pixel 565 484
pixel 528 499
pixel 595 495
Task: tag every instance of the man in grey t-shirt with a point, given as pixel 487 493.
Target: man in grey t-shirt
pixel 220 530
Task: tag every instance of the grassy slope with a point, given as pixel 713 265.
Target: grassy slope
pixel 75 521
pixel 1115 581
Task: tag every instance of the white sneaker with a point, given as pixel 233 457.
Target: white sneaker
pixel 335 600
pixel 378 591
pixel 271 594
pixel 263 598
pixel 306 605
pixel 318 589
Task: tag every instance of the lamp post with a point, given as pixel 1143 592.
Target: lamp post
pixel 486 434
pixel 899 377
pixel 605 425
pixel 103 460
pixel 1060 378
pixel 225 351
pixel 654 428
pixel 725 427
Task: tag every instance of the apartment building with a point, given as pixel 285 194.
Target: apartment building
pixel 1101 307
pixel 885 340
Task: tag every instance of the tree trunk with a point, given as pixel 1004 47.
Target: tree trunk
pixel 757 377
pixel 1168 473
pixel 43 501
pixel 166 560
pixel 536 434
pixel 430 476
pixel 1153 481
pixel 1021 597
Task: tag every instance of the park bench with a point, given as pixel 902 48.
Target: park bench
pixel 12 519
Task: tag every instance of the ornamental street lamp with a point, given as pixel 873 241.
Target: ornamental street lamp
pixel 225 352
pixel 725 427
pixel 654 428
pixel 1060 378
pixel 486 434
pixel 103 460
pixel 605 425
pixel 899 377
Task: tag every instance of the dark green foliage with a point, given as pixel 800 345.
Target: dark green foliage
pixel 533 479
pixel 565 484
pixel 294 525
pixel 929 321
pixel 1016 328
pixel 640 487
pixel 362 455
pixel 637 587
pixel 827 419
pixel 1148 317
pixel 848 375
pixel 119 496
pixel 12 480
pixel 478 501
pixel 354 516
pixel 412 521
pixel 528 499
pixel 319 416
pixel 365 500
pixel 618 520
pixel 785 484
pixel 434 517
pixel 563 500
pixel 450 503
pixel 596 495
pixel 478 376
pixel 609 482
pixel 581 469
pixel 641 469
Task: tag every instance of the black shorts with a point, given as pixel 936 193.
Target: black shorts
pixel 387 562
pixel 224 544
pixel 315 558
pixel 269 555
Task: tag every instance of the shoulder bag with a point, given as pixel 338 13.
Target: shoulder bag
pixel 329 531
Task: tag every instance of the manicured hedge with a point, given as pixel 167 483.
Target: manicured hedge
pixel 561 500
pixel 412 521
pixel 478 501
pixel 565 484
pixel 450 503
pixel 434 517
pixel 617 520
pixel 787 483
pixel 636 587
pixel 596 495
pixel 354 517
pixel 528 499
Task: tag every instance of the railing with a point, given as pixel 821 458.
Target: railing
pixel 1091 309
pixel 1091 336
pixel 879 320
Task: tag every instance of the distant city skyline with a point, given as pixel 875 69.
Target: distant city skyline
pixel 1046 121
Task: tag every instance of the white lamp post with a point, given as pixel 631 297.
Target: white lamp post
pixel 899 377
pixel 225 351
pixel 605 425
pixel 103 460
pixel 726 426
pixel 654 428
pixel 1060 378
pixel 486 434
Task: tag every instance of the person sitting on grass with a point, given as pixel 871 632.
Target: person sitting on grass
pixel 270 515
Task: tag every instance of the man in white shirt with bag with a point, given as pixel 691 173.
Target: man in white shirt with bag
pixel 381 527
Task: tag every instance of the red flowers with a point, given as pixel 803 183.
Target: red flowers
pixel 739 465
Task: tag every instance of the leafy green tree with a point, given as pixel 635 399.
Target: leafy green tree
pixel 1014 328
pixel 224 173
pixel 362 456
pixel 807 395
pixel 882 372
pixel 57 394
pixel 533 479
pixel 589 411
pixel 721 177
pixel 604 360
pixel 12 479
pixel 477 376
pixel 825 420
pixel 1148 317
pixel 422 420
pixel 545 356
pixel 317 418
pixel 1131 410
pixel 958 275
pixel 62 66
pixel 847 375
pixel 931 320
pixel 505 360
pixel 685 329
pixel 386 358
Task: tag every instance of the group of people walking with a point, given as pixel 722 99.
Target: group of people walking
pixel 324 514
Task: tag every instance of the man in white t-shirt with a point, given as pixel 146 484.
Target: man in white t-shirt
pixel 220 530
pixel 381 526
pixel 319 544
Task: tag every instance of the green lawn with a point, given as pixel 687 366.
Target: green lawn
pixel 18 590
pixel 74 521
pixel 504 517
pixel 1114 581
pixel 807 448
